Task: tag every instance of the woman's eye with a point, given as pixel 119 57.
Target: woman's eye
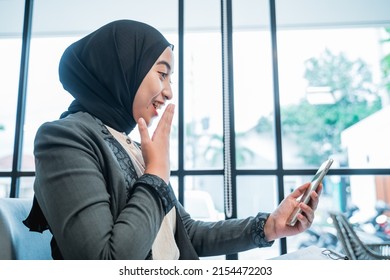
pixel 163 75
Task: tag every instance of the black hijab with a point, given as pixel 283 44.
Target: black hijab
pixel 104 70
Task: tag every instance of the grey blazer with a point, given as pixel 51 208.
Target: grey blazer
pixel 97 208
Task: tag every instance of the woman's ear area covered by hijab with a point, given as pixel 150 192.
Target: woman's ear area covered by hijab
pixel 104 70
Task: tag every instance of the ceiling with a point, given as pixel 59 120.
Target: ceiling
pixel 56 17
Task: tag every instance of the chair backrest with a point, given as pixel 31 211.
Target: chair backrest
pixel 352 245
pixel 16 241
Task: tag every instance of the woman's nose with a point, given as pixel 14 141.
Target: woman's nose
pixel 167 92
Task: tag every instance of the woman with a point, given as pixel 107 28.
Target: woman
pixel 99 193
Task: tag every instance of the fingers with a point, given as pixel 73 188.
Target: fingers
pixel 155 149
pixel 300 191
pixel 165 123
pixel 307 213
pixel 314 197
pixel 305 188
pixel 143 130
pixel 319 189
pixel 306 218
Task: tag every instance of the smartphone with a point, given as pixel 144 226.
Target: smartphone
pixel 324 168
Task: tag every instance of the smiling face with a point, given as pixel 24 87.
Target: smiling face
pixel 155 88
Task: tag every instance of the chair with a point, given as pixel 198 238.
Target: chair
pixel 352 245
pixel 16 241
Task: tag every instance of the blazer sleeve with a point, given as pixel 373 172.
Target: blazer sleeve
pixel 226 236
pixel 71 186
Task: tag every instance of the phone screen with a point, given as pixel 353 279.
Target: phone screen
pixel 324 168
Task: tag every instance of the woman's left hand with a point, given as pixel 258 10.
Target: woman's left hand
pixel 155 149
pixel 276 226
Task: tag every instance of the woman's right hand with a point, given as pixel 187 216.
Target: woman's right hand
pixel 155 150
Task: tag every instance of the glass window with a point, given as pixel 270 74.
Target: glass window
pixel 173 180
pixel 202 86
pixel 46 99
pixel 362 198
pixel 257 194
pixel 10 54
pixel 333 99
pixel 334 92
pixel 26 187
pixel 203 197
pixel 5 184
pixel 253 86
pixel 203 200
pixel 334 89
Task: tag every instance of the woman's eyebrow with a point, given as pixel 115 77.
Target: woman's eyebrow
pixel 163 62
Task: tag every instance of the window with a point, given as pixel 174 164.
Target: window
pixel 308 81
pixel 10 57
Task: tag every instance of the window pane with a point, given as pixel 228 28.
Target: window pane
pixel 203 197
pixel 334 86
pixel 5 185
pixel 81 17
pixel 203 200
pixel 253 86
pixel 26 187
pixel 202 86
pixel 173 180
pixel 257 194
pixel 361 197
pixel 10 53
pixel 46 99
